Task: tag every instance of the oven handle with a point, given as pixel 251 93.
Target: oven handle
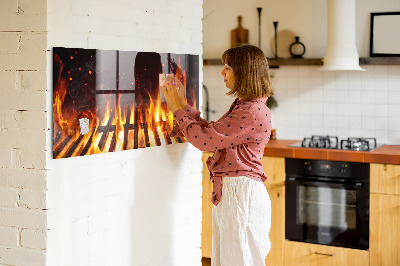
pixel 357 185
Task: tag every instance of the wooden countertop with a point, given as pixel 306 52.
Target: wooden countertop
pixel 389 154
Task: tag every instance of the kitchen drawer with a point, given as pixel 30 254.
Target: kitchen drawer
pixel 305 254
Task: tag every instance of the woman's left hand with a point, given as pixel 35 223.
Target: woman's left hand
pixel 174 93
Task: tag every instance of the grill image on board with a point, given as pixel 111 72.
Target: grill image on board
pixel 108 100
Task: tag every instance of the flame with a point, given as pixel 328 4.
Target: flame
pixel 59 95
pixel 148 124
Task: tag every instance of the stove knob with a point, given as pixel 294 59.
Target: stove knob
pixel 343 168
pixel 308 166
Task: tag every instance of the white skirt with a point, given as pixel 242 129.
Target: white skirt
pixel 241 223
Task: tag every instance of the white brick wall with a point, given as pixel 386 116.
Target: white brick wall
pixel 100 207
pixel 23 132
pixel 136 207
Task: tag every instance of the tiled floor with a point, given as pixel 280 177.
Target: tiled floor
pixel 206 261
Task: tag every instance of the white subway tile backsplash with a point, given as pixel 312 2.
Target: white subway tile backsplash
pixel 342 96
pixel 394 97
pixel 328 74
pixel 367 83
pixel 394 110
pixel 305 95
pixel 381 122
pixel 292 82
pixel 367 110
pixel 315 72
pixel 381 136
pixel 367 133
pixel 342 109
pixel 354 80
pixel 355 122
pixel 381 84
pixel 329 122
pixel 331 100
pixel 304 109
pixel 367 96
pixel 291 71
pixel 303 82
pixel 355 96
pixel 329 109
pixel 342 122
pixel 394 136
pixel 381 97
pixel 381 110
pixel 394 123
pixel 279 83
pixel 355 132
pixel 304 72
pixel 394 82
pixel 393 71
pixel 329 94
pixel 380 71
pixel 316 82
pixel 368 123
pixel 293 120
pixel 342 80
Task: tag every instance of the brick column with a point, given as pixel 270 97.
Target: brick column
pixel 23 78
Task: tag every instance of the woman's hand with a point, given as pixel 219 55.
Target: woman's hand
pixel 174 93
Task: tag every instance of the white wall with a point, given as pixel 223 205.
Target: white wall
pixel 136 207
pixel 23 132
pixel 311 102
pixel 305 18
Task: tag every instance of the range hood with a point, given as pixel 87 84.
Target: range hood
pixel 341 51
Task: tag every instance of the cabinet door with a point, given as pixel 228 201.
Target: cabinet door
pixel 277 233
pixel 304 254
pixel 206 232
pixel 385 178
pixel 384 230
pixel 274 168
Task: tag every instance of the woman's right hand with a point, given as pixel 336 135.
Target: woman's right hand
pixel 174 93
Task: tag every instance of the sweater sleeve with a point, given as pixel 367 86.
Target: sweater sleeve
pixel 229 131
pixel 195 114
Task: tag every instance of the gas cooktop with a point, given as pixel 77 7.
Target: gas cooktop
pixel 332 142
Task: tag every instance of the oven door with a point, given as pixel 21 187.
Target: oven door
pixel 327 213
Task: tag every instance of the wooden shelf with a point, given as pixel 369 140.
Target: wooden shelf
pixel 274 63
pixel 380 61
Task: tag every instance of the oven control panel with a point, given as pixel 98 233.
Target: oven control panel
pixel 338 169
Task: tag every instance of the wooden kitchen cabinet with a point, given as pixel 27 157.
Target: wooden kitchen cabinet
pixel 277 233
pixel 274 168
pixel 206 225
pixel 305 254
pixel 384 237
pixel 385 178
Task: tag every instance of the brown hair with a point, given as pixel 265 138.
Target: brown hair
pixel 250 66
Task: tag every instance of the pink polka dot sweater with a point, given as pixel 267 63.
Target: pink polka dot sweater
pixel 238 140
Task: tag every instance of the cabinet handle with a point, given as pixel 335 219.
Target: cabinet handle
pixel 324 254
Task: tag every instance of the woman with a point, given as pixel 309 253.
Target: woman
pixel 242 211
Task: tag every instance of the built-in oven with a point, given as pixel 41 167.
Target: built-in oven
pixel 327 202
